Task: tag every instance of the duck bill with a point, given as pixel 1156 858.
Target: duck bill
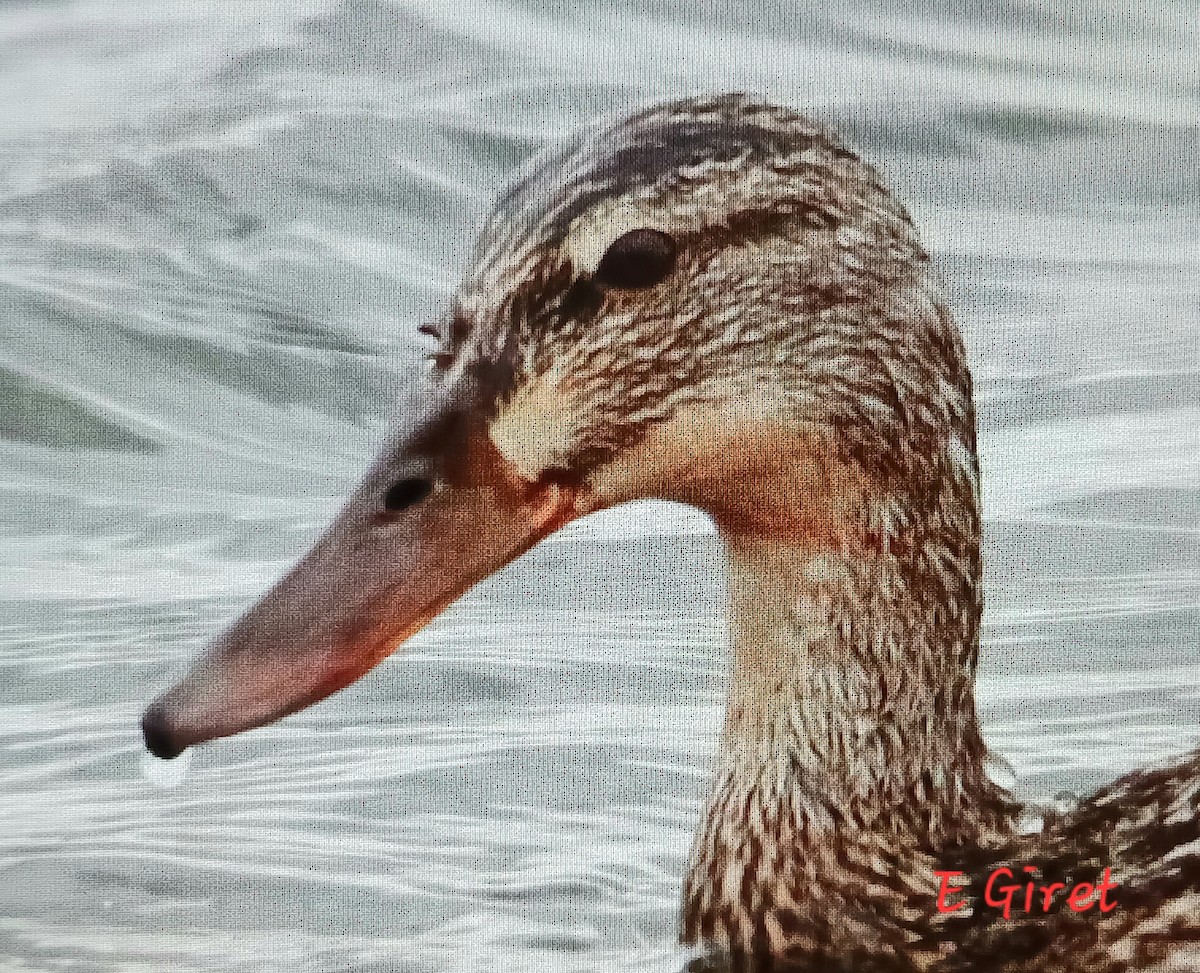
pixel 372 581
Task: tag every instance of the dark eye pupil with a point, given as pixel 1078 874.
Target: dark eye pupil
pixel 405 493
pixel 639 258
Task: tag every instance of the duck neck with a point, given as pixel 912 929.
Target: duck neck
pixel 851 755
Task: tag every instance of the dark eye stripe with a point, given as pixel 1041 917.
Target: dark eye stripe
pixel 405 493
pixel 637 259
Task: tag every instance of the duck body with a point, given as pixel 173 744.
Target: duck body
pixel 1142 834
pixel 718 302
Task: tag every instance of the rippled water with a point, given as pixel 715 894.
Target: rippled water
pixel 219 226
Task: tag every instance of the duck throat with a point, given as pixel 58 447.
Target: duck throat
pixel 851 756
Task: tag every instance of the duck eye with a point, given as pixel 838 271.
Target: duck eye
pixel 637 259
pixel 406 493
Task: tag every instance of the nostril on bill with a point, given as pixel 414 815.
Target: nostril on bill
pixel 157 735
pixel 406 493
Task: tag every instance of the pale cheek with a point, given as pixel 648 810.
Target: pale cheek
pixel 644 472
pixel 535 430
pixel 688 457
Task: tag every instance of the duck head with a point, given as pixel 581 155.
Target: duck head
pixel 711 301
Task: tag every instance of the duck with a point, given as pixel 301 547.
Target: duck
pixel 716 301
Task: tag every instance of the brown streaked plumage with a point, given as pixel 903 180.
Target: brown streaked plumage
pixel 784 360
